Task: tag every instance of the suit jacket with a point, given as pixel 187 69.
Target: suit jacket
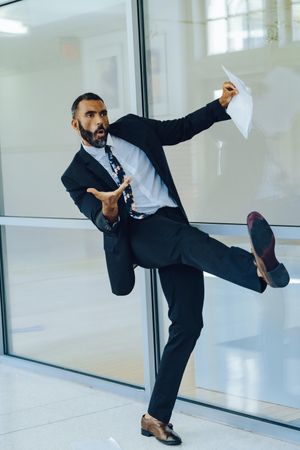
pixel 150 136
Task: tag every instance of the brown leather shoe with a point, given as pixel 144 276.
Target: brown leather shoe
pixel 162 431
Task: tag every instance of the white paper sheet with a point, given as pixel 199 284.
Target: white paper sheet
pixel 240 107
pixel 88 444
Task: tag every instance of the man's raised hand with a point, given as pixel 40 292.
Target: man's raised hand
pixel 110 199
pixel 229 91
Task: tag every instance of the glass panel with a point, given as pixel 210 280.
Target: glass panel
pixel 246 31
pixel 62 51
pixel 255 5
pixel 247 358
pixel 60 308
pixel 296 22
pixel 236 7
pixel 216 30
pixel 219 174
pixel 237 32
pixel 216 8
pixel 256 30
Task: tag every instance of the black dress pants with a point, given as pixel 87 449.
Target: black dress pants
pixel 181 253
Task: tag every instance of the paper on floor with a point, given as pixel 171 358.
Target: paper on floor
pixel 240 107
pixel 87 444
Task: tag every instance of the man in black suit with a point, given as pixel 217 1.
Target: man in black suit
pixel 121 181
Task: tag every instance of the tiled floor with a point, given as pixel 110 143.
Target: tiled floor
pixel 41 412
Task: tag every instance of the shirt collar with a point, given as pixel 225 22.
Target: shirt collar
pixel 94 151
pixel 109 140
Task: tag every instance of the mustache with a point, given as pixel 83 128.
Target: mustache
pixel 100 128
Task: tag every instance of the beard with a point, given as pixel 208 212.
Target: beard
pixel 91 137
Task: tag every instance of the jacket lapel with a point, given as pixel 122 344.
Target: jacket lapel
pixel 97 169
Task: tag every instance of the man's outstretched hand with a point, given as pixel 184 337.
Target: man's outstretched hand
pixel 229 91
pixel 110 199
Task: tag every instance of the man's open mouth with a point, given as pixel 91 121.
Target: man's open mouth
pixel 100 133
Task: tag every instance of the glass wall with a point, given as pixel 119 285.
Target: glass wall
pixel 220 175
pixel 247 358
pixel 60 53
pixel 60 309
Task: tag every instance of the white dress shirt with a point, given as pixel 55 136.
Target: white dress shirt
pixel 149 191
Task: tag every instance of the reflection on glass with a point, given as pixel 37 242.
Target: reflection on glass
pixel 261 173
pixel 60 307
pixel 217 29
pixel 238 33
pixel 296 20
pixel 236 7
pixel 245 32
pixel 216 8
pixel 255 5
pixel 248 356
pixel 12 27
pixel 239 29
pixel 256 37
pixel 66 52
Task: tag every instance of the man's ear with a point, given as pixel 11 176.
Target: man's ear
pixel 74 124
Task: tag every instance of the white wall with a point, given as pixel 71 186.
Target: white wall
pixel 41 75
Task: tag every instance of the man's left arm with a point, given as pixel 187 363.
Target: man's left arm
pixel 172 132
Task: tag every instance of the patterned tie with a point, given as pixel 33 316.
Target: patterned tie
pixel 127 193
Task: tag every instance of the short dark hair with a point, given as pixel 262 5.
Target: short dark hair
pixel 86 96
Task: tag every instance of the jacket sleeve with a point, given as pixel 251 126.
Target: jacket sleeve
pixel 171 132
pixel 89 206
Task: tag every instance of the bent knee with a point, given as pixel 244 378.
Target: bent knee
pixel 191 331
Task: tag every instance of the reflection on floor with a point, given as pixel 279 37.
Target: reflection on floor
pixel 271 411
pixel 61 311
pixel 42 412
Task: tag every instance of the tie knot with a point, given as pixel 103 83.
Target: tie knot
pixel 107 148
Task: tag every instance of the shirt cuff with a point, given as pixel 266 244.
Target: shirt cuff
pixel 114 224
pixel 103 224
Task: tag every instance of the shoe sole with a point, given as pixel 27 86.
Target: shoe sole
pixel 149 434
pixel 276 278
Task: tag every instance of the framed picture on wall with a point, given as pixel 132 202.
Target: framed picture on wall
pixel 108 72
pixel 158 86
pixel 104 68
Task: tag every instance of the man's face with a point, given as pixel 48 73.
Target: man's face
pixel 91 122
